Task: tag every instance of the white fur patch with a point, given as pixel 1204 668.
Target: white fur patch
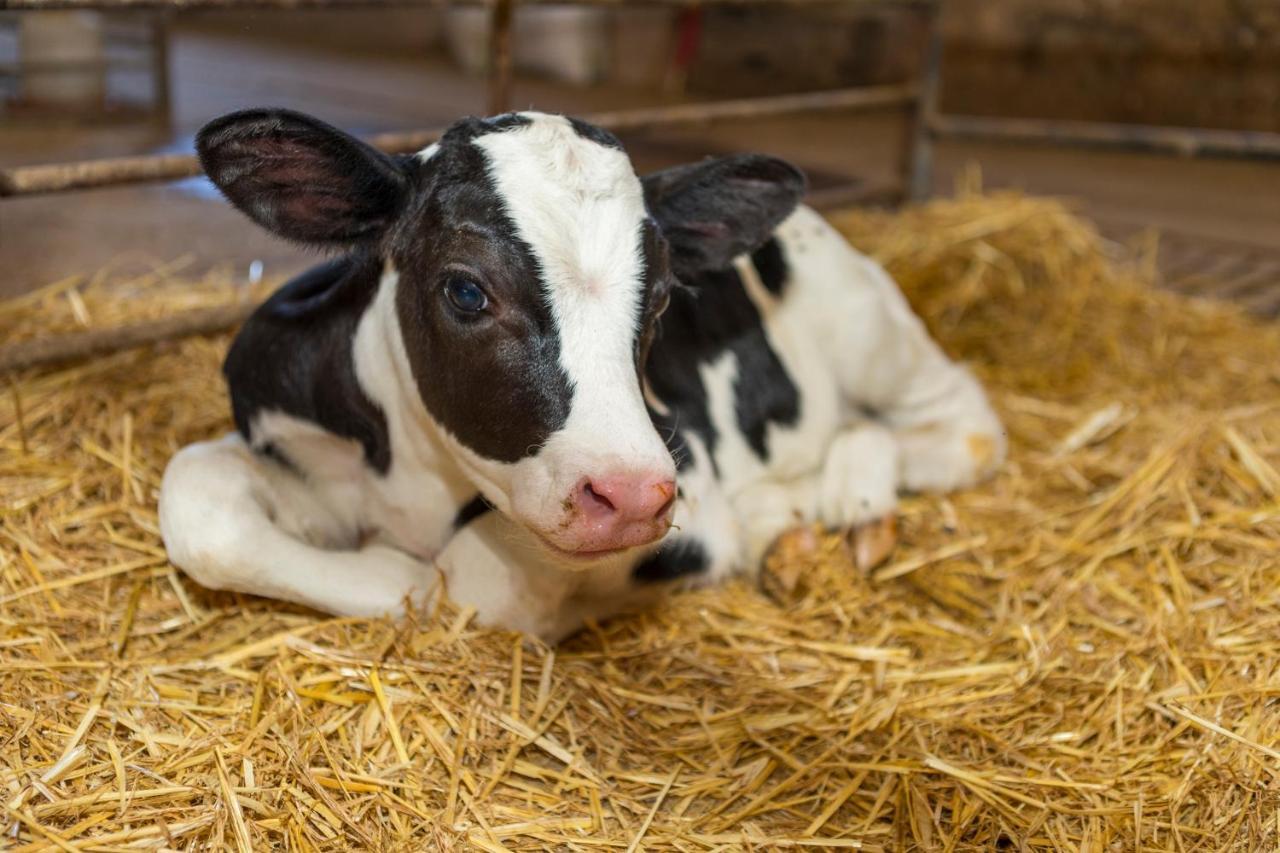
pixel 417 497
pixel 580 207
pixel 233 521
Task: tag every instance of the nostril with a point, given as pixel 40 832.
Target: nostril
pixel 666 507
pixel 666 489
pixel 599 500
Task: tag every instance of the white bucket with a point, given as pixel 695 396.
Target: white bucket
pixel 562 42
pixel 48 39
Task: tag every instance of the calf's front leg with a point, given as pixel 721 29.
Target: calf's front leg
pixel 497 568
pixel 858 490
pixel 234 521
pixel 855 490
pixel 859 479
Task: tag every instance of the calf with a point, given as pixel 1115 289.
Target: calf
pixel 554 387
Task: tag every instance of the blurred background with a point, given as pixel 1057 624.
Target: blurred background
pixel 78 84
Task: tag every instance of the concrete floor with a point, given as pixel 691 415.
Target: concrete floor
pixel 1221 216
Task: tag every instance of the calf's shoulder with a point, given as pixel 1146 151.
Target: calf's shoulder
pixel 713 315
pixel 294 357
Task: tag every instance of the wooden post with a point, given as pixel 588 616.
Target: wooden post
pixel 500 56
pixel 62 60
pixel 162 103
pixel 917 162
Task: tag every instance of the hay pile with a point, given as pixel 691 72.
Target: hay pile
pixel 1081 655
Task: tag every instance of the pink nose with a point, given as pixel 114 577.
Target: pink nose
pixel 626 499
pixel 617 511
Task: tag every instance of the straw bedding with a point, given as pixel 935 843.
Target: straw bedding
pixel 1079 655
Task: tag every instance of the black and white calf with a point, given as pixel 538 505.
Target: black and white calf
pixel 523 350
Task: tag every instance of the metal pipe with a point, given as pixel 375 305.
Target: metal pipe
pixel 859 99
pixel 1183 141
pixel 856 194
pixel 62 177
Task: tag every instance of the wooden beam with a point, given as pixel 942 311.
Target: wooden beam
pixel 70 346
pixel 64 177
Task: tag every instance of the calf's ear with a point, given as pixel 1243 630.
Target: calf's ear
pixel 713 211
pixel 301 178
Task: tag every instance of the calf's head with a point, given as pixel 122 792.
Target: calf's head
pixel 529 265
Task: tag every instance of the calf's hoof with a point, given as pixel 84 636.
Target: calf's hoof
pixel 873 542
pixel 787 560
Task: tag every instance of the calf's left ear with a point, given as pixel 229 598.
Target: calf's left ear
pixel 301 178
pixel 713 211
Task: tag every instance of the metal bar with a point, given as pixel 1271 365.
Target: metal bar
pixel 856 193
pixel 1184 141
pixel 56 349
pixel 113 5
pixel 859 99
pixel 917 163
pixel 62 177
pixel 1102 48
pixel 500 57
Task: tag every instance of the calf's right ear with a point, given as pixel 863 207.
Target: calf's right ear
pixel 713 211
pixel 301 178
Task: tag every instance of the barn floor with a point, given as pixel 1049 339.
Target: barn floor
pixel 1220 221
pixel 1079 655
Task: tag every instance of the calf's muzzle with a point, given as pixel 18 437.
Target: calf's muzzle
pixel 615 511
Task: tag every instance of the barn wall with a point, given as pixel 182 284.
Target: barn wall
pixel 1178 62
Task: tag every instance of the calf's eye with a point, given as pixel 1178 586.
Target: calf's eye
pixel 465 295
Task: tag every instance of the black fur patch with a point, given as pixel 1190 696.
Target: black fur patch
pixel 655 290
pixel 471 127
pixel 470 511
pixel 712 212
pixel 278 456
pixel 494 380
pixel 679 558
pixel 771 263
pixel 294 356
pixel 598 135
pixel 301 178
pixel 710 316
